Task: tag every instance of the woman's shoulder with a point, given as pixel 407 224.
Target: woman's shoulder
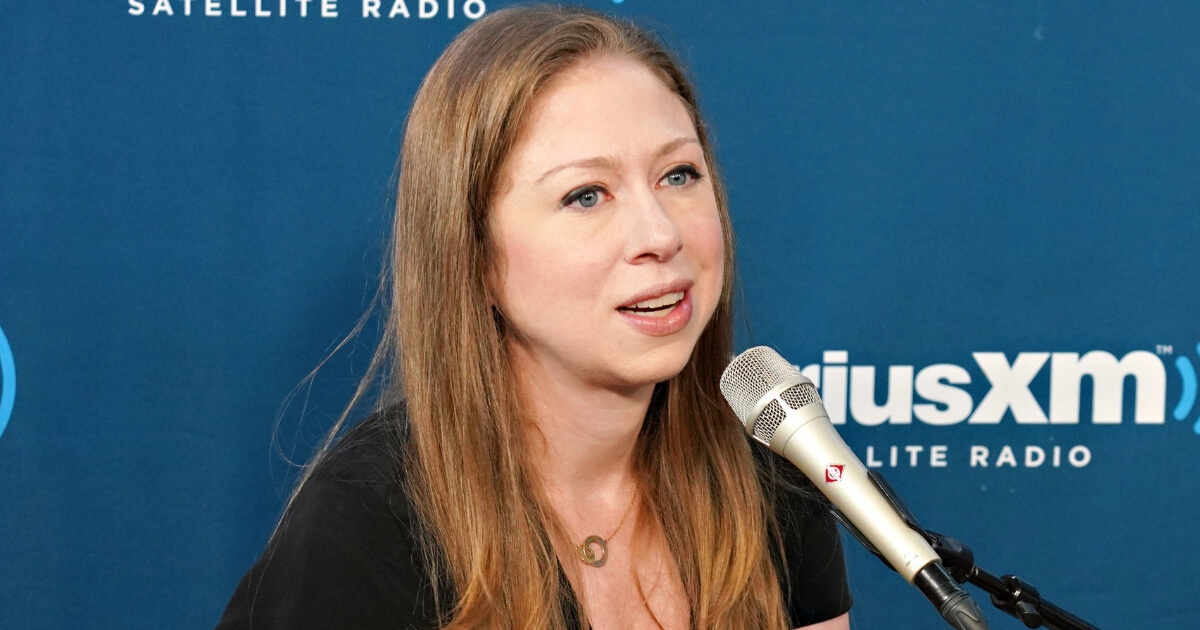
pixel 369 453
pixel 344 553
pixel 358 483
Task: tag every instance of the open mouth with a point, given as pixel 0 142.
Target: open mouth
pixel 655 306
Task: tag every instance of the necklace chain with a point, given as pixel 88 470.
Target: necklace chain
pixel 628 509
pixel 587 551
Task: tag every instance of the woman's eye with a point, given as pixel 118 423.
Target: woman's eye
pixel 586 197
pixel 681 176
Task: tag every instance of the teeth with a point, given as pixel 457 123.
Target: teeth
pixel 659 302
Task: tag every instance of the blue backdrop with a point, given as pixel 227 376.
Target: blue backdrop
pixel 975 222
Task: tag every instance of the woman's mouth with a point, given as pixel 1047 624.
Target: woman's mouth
pixel 660 316
pixel 655 307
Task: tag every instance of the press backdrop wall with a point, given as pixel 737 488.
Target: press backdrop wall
pixel 944 211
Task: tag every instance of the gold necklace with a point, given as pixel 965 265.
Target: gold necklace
pixel 587 551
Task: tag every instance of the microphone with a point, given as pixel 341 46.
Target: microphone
pixel 781 408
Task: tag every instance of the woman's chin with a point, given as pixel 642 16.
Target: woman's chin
pixel 651 369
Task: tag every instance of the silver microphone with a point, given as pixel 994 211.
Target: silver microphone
pixel 780 408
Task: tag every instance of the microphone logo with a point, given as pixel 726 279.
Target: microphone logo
pixel 833 472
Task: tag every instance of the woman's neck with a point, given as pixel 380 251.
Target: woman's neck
pixel 583 437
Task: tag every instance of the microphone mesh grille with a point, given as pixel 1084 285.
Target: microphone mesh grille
pixel 800 395
pixel 750 376
pixel 768 421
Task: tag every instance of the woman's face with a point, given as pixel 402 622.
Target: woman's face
pixel 610 247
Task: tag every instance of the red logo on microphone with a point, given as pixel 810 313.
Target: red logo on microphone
pixel 833 473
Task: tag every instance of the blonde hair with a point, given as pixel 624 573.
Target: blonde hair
pixel 490 534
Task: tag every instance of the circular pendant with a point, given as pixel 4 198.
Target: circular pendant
pixel 587 551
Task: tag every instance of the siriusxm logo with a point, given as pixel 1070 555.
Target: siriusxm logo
pixel 849 391
pixel 1187 400
pixel 8 381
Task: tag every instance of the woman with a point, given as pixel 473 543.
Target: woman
pixel 555 452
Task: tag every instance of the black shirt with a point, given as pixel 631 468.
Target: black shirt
pixel 345 555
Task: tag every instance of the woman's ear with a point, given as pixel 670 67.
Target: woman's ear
pixel 498 321
pixel 490 282
pixel 493 274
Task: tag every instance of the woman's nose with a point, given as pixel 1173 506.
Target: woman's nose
pixel 653 233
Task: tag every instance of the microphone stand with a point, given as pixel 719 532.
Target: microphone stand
pixel 1009 593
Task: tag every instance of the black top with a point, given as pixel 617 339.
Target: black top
pixel 345 555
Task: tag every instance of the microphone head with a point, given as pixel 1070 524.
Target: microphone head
pixel 752 383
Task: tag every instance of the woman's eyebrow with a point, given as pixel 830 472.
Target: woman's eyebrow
pixel 612 162
pixel 592 162
pixel 675 144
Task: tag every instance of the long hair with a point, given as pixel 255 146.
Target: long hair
pixel 490 533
